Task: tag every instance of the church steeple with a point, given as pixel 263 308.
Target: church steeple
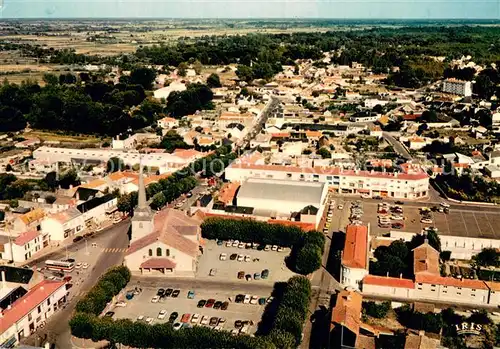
pixel 142 203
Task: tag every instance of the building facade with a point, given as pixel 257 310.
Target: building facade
pixel 354 263
pixel 457 87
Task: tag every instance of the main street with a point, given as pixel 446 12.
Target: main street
pixel 396 145
pixel 111 246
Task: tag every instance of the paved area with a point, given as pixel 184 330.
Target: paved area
pixel 141 304
pixel 57 330
pixel 228 270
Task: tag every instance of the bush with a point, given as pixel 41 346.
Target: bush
pixel 378 311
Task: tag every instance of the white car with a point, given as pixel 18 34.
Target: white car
pixel 330 214
pixel 78 265
pixel 281 249
pixel 204 320
pixel 426 221
pixel 329 220
pixel 397 218
pixel 241 245
pixel 195 318
pixel 85 265
pixel 340 207
pixel 229 243
pixel 240 258
pixel 444 204
pixel 223 256
pixel 235 332
pixel 267 248
pixel 221 322
pixel 162 314
pixel 254 300
pixel 121 304
pixel 247 258
pixel 275 248
pixel 236 243
pixel 155 299
pixel 177 326
pixel 140 318
pixel 247 299
pixel 149 320
pixel 218 328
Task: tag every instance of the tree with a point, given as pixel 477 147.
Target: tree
pixel 124 204
pixel 197 66
pixel 159 200
pixel 50 79
pixel 429 116
pixel 51 180
pixel 483 86
pixel 445 256
pixel 50 199
pixel 324 153
pixel 487 257
pixel 213 80
pixel 143 76
pixel 378 311
pixel 114 164
pixel 315 94
pixel 172 140
pixel 308 259
pixel 68 179
pixel 195 97
pixel 245 73
pixel 182 69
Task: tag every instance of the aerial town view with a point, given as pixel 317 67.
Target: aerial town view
pixel 199 180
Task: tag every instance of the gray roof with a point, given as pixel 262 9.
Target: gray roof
pixel 284 190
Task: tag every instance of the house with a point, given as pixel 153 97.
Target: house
pixel 29 221
pixel 420 341
pixel 30 312
pixel 164 243
pixel 354 263
pixel 22 247
pixel 425 259
pixel 63 224
pixel 168 123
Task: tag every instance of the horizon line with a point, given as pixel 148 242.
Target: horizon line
pixel 256 18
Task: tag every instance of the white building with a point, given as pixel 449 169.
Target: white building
pixel 282 197
pixel 411 185
pixel 131 142
pixel 22 247
pixel 354 263
pixel 164 92
pixel 495 122
pixel 168 123
pixel 165 162
pixel 457 87
pixel 30 312
pixel 372 102
pixel 63 224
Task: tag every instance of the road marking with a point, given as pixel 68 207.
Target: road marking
pixel 477 224
pixel 465 224
pixel 447 224
pixel 114 250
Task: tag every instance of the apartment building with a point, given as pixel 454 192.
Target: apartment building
pixel 354 263
pixel 457 87
pixel 495 122
pixel 22 247
pixel 414 185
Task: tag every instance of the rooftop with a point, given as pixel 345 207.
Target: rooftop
pixel 450 281
pixel 425 259
pixel 347 310
pixel 355 247
pixel 388 281
pixel 26 237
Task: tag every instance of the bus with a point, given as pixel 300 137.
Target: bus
pixel 60 265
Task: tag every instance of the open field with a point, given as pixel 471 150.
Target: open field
pixel 54 137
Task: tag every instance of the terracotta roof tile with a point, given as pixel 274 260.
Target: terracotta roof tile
pixel 450 281
pixel 159 263
pixel 425 259
pixel 21 307
pixel 355 247
pixel 388 281
pixel 347 311
pixel 32 216
pixel 26 237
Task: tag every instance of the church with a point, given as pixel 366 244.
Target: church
pixel 167 242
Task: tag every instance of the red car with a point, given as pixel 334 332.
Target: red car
pixel 210 303
pixel 185 318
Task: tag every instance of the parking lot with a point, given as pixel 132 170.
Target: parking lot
pixel 456 223
pixel 228 270
pixel 141 305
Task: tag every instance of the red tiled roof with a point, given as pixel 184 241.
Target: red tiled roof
pixel 26 237
pixel 450 281
pixel 355 247
pixel 228 191
pixel 347 311
pixel 388 281
pixel 159 263
pixel 302 225
pixel 21 307
pixel 425 259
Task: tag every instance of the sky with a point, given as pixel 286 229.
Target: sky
pixel 342 9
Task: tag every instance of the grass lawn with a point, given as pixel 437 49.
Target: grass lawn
pixel 50 136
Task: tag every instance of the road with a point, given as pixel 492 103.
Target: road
pixel 398 147
pixel 57 330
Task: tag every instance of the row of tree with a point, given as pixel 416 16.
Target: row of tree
pixel 307 247
pixel 108 286
pixel 468 188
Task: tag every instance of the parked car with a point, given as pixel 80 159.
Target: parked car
pixel 240 258
pixel 340 207
pixel 256 276
pixel 85 265
pixel 233 256
pixel 213 321
pixel 149 320
pixel 109 314
pixel 201 303
pixel 220 242
pixel 204 320
pixel 168 292
pixel 265 274
pixel 254 300
pixel 195 318
pixel 235 243
pixel 155 299
pixel 77 238
pixel 175 294
pixel 248 277
pixel 217 305
pixel 267 248
pixel 426 221
pixel 223 256
pixel 221 322
pixel 185 318
pixel 121 304
pixel 177 326
pixel 140 318
pixel 247 258
pixel 213 271
pixel 247 299
pixel 262 300
pixel 238 324
pixel 210 303
pixel 224 306
pixel 190 294
pixel 241 245
pixel 239 298
pixel 162 314
pixel 241 275
pixel 160 292
pixel 173 316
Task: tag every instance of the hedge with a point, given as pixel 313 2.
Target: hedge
pixel 108 286
pixel 285 333
pixel 307 247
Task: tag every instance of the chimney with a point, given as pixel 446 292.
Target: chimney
pixel 401 275
pixel 4 281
